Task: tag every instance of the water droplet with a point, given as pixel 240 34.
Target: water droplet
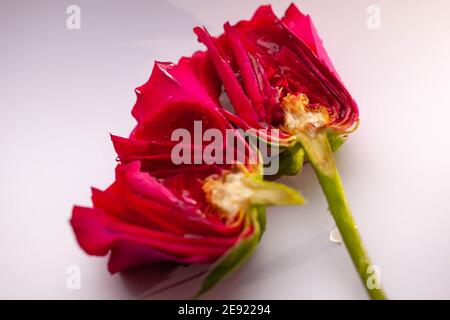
pixel 335 236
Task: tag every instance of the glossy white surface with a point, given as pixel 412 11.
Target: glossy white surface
pixel 63 91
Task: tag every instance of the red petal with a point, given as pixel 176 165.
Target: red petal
pixel 192 81
pixel 237 96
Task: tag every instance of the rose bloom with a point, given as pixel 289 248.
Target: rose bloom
pixel 277 74
pixel 188 213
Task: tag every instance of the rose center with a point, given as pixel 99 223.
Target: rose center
pixel 228 193
pixel 301 117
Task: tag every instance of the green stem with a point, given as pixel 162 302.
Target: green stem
pixel 321 158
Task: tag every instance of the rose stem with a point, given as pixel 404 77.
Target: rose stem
pixel 321 158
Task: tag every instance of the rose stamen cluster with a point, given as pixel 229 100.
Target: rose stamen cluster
pixel 299 116
pixel 229 193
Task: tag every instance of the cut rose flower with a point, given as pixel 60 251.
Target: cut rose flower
pixel 275 58
pixel 142 219
pixel 277 74
pixel 191 213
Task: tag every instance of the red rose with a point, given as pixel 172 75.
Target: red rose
pixel 277 74
pixel 276 59
pixel 187 213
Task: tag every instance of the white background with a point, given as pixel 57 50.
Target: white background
pixel 62 92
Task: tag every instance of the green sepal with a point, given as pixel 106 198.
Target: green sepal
pixel 291 160
pixel 293 157
pixel 336 140
pixel 236 255
pixel 262 220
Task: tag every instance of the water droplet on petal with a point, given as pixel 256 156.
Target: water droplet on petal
pixel 335 236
